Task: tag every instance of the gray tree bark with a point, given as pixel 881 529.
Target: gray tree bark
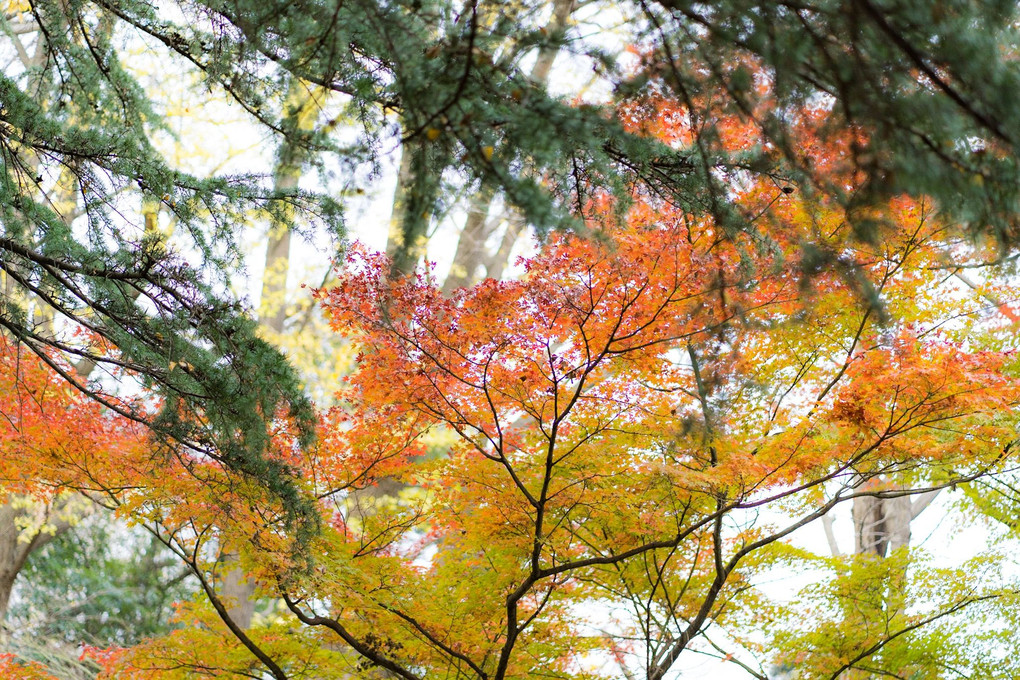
pixel 881 525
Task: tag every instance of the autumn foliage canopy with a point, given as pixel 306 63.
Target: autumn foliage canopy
pixel 596 461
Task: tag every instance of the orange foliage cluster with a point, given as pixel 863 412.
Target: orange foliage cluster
pixel 53 438
pixel 12 668
pixel 632 389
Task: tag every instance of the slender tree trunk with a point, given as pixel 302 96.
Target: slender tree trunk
pixel 11 558
pixel 496 263
pixel 470 254
pixel 882 525
pixel 413 202
pixel 556 28
pixel 303 106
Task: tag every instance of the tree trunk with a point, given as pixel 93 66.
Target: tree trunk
pixel 302 107
pixel 471 253
pixel 881 525
pixel 412 201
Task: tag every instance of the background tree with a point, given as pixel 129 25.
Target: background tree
pixel 97 585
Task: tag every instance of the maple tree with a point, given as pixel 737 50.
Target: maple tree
pixel 634 405
pixel 634 426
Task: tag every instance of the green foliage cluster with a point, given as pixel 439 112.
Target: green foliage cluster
pixel 101 584
pixel 885 617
